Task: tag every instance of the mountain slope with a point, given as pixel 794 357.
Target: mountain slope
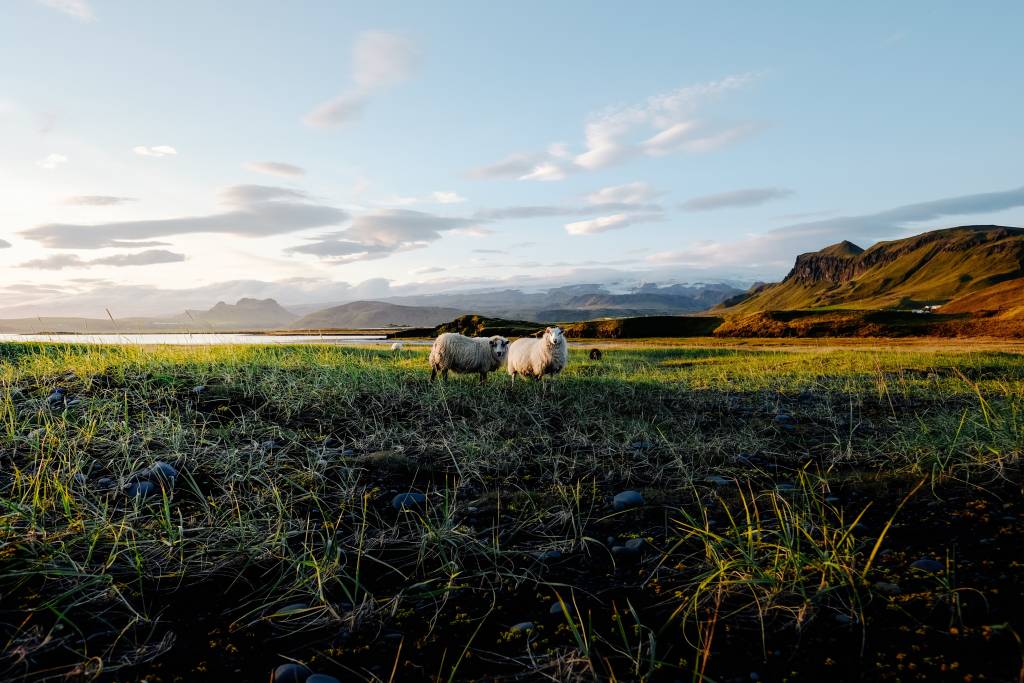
pixel 367 314
pixel 253 313
pixel 931 268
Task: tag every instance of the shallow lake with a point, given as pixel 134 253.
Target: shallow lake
pixel 195 339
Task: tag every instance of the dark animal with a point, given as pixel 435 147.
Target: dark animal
pixel 595 354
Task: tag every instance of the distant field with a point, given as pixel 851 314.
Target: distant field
pixel 807 513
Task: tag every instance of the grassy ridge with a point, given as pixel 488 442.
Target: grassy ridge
pixel 770 478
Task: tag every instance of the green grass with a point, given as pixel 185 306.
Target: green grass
pixel 94 583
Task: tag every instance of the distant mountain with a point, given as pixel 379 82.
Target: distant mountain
pixel 928 269
pixel 370 314
pixel 246 313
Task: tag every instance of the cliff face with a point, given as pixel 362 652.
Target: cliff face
pixel 930 268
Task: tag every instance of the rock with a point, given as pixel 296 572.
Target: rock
pixel 271 445
pixel 163 471
pixel 523 627
pixel 717 480
pixel 141 489
pixel 641 445
pixel 832 500
pixel 844 619
pixel 633 549
pixel 290 673
pixel 323 678
pixel 58 399
pixel 638 544
pixel 199 389
pixel 408 500
pixel 393 637
pixel 927 564
pixel 333 442
pixel 785 487
pixel 783 419
pixel 886 588
pixel 555 609
pixel 104 484
pixel 550 555
pixel 627 499
pixel 36 435
pixel 80 478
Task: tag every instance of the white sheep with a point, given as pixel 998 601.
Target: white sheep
pixel 397 346
pixel 456 352
pixel 535 358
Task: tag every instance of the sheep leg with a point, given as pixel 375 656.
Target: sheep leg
pixel 433 373
pixel 444 374
pixel 483 377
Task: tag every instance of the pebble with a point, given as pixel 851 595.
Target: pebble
pixel 844 619
pixel 631 550
pixel 408 500
pixel 718 480
pixel 886 588
pixel 831 500
pixel 927 564
pixel 80 478
pixel 105 484
pixel 271 445
pixel 163 471
pixel 58 399
pixel 36 434
pixel 641 445
pixel 550 555
pixel 290 673
pixel 322 678
pixel 627 499
pixel 783 419
pixel 556 608
pixel 523 627
pixel 141 489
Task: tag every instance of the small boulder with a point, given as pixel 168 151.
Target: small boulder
pixel 141 490
pixel 290 673
pixel 718 480
pixel 408 500
pixel 322 678
pixel 627 499
pixel 104 484
pixel 886 588
pixel 550 555
pixel 57 400
pixel 523 627
pixel 928 565
pixel 641 445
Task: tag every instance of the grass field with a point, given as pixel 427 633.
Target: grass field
pixel 840 514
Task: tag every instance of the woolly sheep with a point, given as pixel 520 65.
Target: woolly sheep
pixel 535 358
pixel 458 353
pixel 397 346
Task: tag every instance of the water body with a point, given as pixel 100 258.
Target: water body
pixel 203 339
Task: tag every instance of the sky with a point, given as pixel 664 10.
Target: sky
pixel 160 155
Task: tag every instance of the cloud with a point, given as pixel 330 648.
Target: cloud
pixel 427 270
pixel 754 196
pixel 96 200
pixel 776 249
pixel 613 222
pixel 253 211
pixel 550 211
pixel 142 258
pixel 380 233
pixel 630 193
pixel 158 151
pixel 79 9
pixel 380 60
pixel 52 161
pixel 438 197
pixel 277 168
pixel 667 123
pixel 5 244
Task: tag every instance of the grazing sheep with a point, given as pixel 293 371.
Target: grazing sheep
pixel 397 346
pixel 453 351
pixel 595 354
pixel 538 357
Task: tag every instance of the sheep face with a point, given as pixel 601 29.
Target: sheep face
pixel 499 347
pixel 554 336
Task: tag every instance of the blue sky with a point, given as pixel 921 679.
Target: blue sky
pixel 319 151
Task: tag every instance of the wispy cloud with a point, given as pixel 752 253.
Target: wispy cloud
pixel 253 211
pixel 380 60
pixel 754 196
pixel 630 193
pixel 378 234
pixel 79 9
pixel 438 197
pixel 142 258
pixel 667 123
pixel 157 151
pixel 96 200
pixel 52 161
pixel 616 221
pixel 277 168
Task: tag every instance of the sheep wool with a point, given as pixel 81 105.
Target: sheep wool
pixel 397 346
pixel 458 353
pixel 538 357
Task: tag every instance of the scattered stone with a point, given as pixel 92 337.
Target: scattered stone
pixel 290 673
pixel 141 489
pixel 271 445
pixel 550 555
pixel 632 549
pixel 832 500
pixel 58 400
pixel 80 478
pixel 555 609
pixel 105 484
pixel 627 499
pixel 323 678
pixel 844 619
pixel 641 445
pixel 36 435
pixel 785 487
pixel 927 564
pixel 199 389
pixel 408 500
pixel 523 627
pixel 333 442
pixel 163 471
pixel 718 480
pixel 784 419
pixel 886 588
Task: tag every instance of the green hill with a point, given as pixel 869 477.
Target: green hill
pixel 928 269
